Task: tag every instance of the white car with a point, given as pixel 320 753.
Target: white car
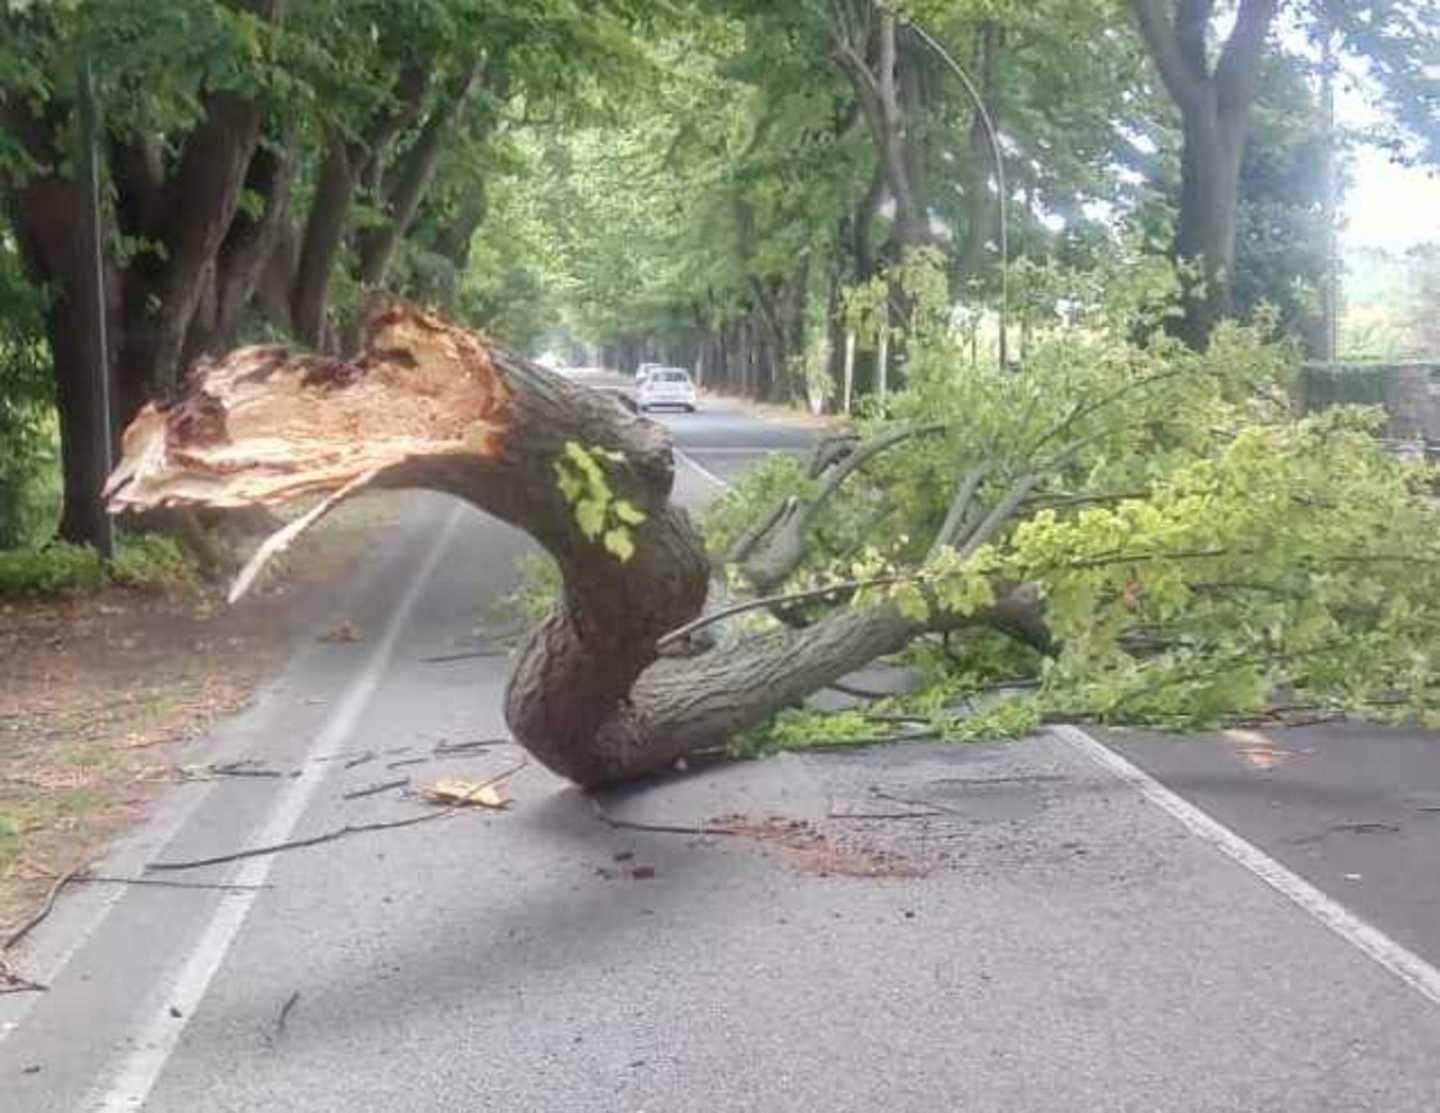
pixel 644 370
pixel 667 386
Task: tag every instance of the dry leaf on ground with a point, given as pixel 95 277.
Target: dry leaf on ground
pixel 484 794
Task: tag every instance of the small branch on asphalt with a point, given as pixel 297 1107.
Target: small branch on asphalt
pixel 361 760
pixel 446 749
pixel 45 907
pixel 247 768
pixel 878 740
pixel 914 803
pixel 405 762
pixel 376 789
pixel 296 844
pixel 470 655
pixel 656 828
pixel 285 1010
pixel 328 836
pixel 11 982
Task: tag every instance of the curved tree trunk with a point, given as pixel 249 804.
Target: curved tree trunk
pixel 430 405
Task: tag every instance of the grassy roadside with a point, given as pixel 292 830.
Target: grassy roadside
pixel 96 690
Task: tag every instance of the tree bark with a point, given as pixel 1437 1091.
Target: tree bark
pixel 430 405
pixel 981 204
pixel 884 70
pixel 43 209
pixel 324 233
pixel 1214 109
pixel 405 187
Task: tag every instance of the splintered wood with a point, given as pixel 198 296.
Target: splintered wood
pixel 266 425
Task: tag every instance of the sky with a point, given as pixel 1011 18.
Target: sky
pixel 1387 205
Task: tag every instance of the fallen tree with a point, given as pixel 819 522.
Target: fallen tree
pixel 1131 531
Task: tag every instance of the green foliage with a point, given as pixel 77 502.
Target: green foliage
pixel 58 569
pixel 1341 385
pixel 1192 546
pixel 537 588
pixel 146 561
pixel 150 560
pixel 803 729
pixel 29 473
pixel 600 515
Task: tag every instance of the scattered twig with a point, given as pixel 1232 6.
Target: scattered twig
pixel 467 656
pixel 242 769
pixel 444 749
pixel 405 762
pixel 376 789
pixel 940 808
pixel 295 844
pixel 369 755
pixel 327 836
pixel 655 828
pixel 14 983
pixel 878 740
pixel 285 1009
pixel 884 815
pixel 45 907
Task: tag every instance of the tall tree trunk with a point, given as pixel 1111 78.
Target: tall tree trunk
pixel 1205 236
pixel 890 88
pixel 1214 108
pixel 249 247
pixel 981 204
pixel 405 186
pixel 324 233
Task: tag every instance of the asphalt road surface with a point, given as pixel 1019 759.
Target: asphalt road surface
pixel 1039 926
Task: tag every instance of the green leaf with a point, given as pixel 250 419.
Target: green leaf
pixel 571 485
pixel 618 542
pixel 625 510
pixel 590 516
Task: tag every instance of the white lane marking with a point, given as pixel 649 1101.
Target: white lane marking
pixel 705 472
pixel 1403 963
pixel 130 1081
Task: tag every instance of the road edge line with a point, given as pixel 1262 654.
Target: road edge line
pixel 705 473
pixel 1409 967
pixel 127 1083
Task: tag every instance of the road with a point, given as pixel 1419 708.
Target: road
pixel 1035 926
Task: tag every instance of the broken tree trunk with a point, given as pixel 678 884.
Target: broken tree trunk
pixel 431 405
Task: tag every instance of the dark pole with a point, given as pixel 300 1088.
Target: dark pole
pixel 92 304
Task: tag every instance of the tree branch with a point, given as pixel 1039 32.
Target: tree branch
pixel 1237 75
pixel 1189 87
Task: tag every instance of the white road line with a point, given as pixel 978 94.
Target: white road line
pixel 129 1081
pixel 1403 963
pixel 705 472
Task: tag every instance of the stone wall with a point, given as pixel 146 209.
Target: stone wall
pixel 1410 392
